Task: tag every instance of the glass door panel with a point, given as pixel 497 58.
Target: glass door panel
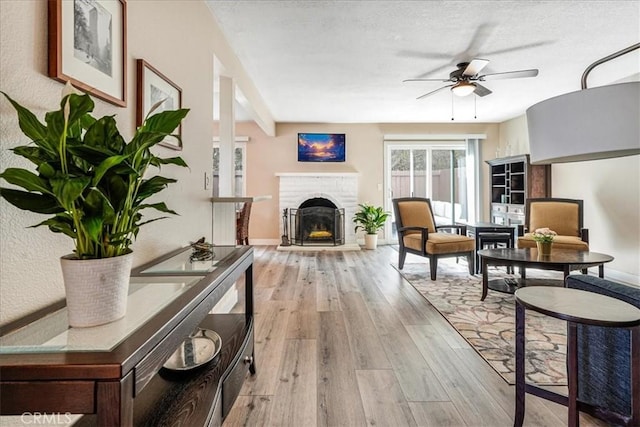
pixel 437 173
pixel 449 185
pixel 407 176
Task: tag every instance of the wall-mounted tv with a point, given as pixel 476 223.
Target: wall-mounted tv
pixel 321 147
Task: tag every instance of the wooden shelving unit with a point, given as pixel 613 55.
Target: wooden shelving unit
pixel 513 180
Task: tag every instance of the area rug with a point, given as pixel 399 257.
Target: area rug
pixel 489 325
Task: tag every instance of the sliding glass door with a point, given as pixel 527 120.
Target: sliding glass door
pixel 437 172
pixel 408 172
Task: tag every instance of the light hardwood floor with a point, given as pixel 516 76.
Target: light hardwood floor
pixel 343 340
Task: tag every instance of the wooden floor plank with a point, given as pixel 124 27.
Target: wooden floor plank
pixel 368 351
pixel 285 289
pixel 416 378
pixel 383 400
pixel 303 323
pixel 327 291
pixel 339 402
pixel 295 400
pixel 249 411
pixel 271 322
pixel 473 401
pixel 436 414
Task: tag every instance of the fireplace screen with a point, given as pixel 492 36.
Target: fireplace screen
pixel 317 222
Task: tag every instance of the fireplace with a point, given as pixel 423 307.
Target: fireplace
pixel 317 221
pixel 340 188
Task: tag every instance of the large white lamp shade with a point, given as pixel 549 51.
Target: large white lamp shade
pixel 597 123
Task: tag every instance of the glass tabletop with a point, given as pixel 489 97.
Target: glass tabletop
pixel 189 262
pixel 52 334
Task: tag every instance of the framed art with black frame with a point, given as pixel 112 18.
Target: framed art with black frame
pixel 154 87
pixel 88 46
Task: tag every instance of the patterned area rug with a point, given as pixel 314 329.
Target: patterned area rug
pixel 489 325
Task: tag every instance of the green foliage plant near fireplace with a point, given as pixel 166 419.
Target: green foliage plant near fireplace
pixel 370 218
pixel 87 177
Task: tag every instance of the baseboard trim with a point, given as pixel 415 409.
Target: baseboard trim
pixel 345 247
pixel 620 276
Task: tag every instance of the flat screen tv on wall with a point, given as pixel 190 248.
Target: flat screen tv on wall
pixel 321 147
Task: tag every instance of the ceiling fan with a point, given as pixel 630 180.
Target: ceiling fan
pixel 464 80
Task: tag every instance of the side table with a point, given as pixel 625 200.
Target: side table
pixel 501 234
pixel 576 307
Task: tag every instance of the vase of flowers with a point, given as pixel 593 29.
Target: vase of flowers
pixel 94 187
pixel 544 240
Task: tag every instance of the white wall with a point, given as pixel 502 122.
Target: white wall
pixel 175 37
pixel 610 190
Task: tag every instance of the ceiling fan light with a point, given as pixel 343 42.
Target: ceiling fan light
pixel 463 88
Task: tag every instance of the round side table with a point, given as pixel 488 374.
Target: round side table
pixel 576 307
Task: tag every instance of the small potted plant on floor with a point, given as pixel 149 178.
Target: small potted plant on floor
pixel 94 186
pixel 370 219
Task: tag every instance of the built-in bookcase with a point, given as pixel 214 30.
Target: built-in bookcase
pixel 513 180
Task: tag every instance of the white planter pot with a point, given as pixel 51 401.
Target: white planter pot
pixel 370 241
pixel 96 289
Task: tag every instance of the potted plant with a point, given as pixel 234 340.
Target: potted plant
pixel 370 219
pixel 544 240
pixel 94 186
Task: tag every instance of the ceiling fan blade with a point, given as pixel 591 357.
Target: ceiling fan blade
pixel 480 36
pixel 433 91
pixel 426 80
pixel 510 75
pixel 522 47
pixel 434 70
pixel 475 66
pixel 481 90
pixel 417 54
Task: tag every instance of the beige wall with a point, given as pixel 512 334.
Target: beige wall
pixel 267 156
pixel 514 137
pixel 176 38
pixel 611 193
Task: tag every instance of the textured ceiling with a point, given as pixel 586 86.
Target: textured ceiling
pixel 344 61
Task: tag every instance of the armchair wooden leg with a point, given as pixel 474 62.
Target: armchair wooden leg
pixel 402 256
pixel 433 266
pixel 470 261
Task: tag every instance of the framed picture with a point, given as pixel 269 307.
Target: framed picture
pixel 154 87
pixel 88 46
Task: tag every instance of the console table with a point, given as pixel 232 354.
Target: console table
pixel 114 372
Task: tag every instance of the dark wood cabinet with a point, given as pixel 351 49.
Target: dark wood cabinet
pixel 513 180
pixel 113 373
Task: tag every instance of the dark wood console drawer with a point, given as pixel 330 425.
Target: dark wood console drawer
pixel 232 382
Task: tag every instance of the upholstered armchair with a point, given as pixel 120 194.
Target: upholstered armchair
pixel 564 216
pixel 418 234
pixel 605 387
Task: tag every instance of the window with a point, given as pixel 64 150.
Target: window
pixel 240 168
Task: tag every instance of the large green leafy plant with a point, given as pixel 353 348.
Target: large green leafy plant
pixel 87 177
pixel 370 218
